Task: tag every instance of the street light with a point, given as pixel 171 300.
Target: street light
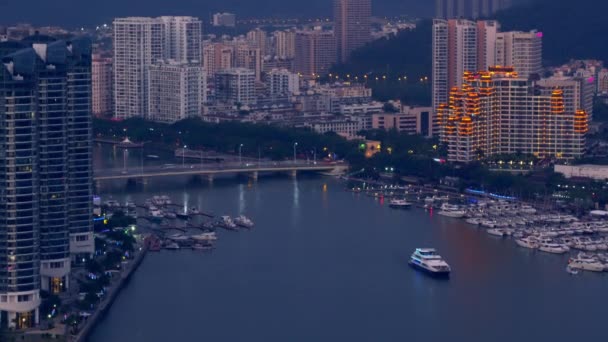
pixel 295 145
pixel 184 155
pixel 240 156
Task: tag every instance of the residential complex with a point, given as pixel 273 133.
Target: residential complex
pixel 352 26
pixel 235 86
pixel 499 112
pixel 46 170
pixel 142 42
pixel 224 19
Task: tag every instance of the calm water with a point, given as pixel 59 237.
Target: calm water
pixel 323 264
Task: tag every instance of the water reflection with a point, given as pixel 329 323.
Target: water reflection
pixel 242 202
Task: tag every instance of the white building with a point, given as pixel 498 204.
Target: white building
pixel 282 82
pixel 176 91
pixel 597 172
pixel 182 39
pixel 235 86
pixel 362 108
pixel 345 127
pixel 224 19
pixel 138 43
pixel 285 43
pixel 521 50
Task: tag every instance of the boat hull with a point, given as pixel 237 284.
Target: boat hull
pixel 443 274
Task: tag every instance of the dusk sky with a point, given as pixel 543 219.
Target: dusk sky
pixel 89 12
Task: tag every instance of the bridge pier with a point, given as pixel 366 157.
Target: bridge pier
pixel 253 176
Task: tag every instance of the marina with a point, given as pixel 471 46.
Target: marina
pixel 543 230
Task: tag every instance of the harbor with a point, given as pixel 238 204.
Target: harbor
pixel 584 239
pixel 315 245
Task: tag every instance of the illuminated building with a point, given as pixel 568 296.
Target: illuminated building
pixel 499 112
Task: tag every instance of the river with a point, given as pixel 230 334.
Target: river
pixel 323 264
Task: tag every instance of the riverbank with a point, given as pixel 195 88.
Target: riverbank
pixel 112 293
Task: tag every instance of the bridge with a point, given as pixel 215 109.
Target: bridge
pixel 210 170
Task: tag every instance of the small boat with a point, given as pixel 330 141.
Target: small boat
pixel 474 221
pixel 205 237
pixel 178 237
pixel 586 263
pixel 172 246
pixel 170 215
pixel 527 242
pixel 227 222
pixel 555 248
pixel 449 210
pixel 497 232
pixel 194 211
pixel 571 270
pixel 427 260
pixel 152 156
pixel 243 221
pixel 130 205
pixel 183 216
pixel 201 247
pixel 399 204
pixel 112 203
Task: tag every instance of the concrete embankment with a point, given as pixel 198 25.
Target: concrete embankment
pixel 113 292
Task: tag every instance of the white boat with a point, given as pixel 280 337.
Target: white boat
pixel 527 242
pixel 193 211
pixel 571 270
pixel 205 237
pixel 227 222
pixel 112 203
pixel 474 221
pixel 450 210
pixel 552 247
pixel 170 215
pixel 526 209
pixel 130 205
pixel 427 259
pixel 172 245
pixel 399 203
pixel 244 221
pixel 586 263
pixel 156 214
pixel 497 232
pixel 178 237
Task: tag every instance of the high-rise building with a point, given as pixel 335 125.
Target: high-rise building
pixel 282 82
pixel 521 50
pixel 224 19
pixel 498 112
pixel 315 52
pixel 235 86
pixel 46 170
pixel 249 56
pixel 259 38
pixel 285 42
pixel 352 26
pixel 102 85
pixel 176 91
pixel 138 43
pixel 141 42
pixel 461 46
pixel 578 92
pixel 182 39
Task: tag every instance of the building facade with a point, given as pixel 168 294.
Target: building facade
pixel 102 86
pixel 521 50
pixel 352 26
pixel 235 86
pixel 282 82
pixel 498 112
pixel 45 171
pixel 176 91
pixel 315 52
pixel 473 9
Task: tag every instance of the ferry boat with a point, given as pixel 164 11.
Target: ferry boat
pixel 243 221
pixel 427 260
pixel 450 210
pixel 399 203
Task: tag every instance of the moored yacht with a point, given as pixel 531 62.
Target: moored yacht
pixel 527 242
pixel 427 259
pixel 587 263
pixel 552 247
pixel 450 210
pixel 399 203
pixel 243 221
